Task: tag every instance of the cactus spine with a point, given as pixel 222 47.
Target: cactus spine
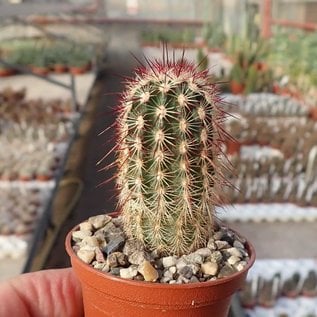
pixel 168 150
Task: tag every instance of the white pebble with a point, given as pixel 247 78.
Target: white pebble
pixel 85 226
pixel 86 255
pixel 233 260
pixel 169 261
pixel 80 235
pixel 128 273
pixel 209 268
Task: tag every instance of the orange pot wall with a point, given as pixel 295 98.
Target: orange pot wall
pixel 107 295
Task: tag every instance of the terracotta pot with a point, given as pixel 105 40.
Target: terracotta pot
pixel 107 295
pixel 313 113
pixel 42 71
pixel 5 72
pixel 77 70
pixel 236 88
pixel 43 178
pixel 60 68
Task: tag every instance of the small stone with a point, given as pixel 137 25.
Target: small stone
pixel 181 263
pixel 87 247
pixel 165 279
pixel 115 271
pixel 194 279
pixel 122 259
pixel 131 246
pixel 244 253
pixel 168 274
pixel 149 273
pixel 158 264
pixel 194 258
pixel 209 268
pixel 204 252
pixel 99 266
pixel 117 259
pixel 222 244
pixel 106 268
pixel 100 235
pixel 112 260
pixel 80 235
pixel 172 269
pixel 91 241
pixel 99 221
pixel 169 261
pixel 186 272
pixel 102 244
pixel 114 245
pixel 85 226
pixel 129 273
pixel 114 232
pixel 238 244
pixel 216 256
pixel 86 255
pixel 137 257
pixel 240 265
pixel 195 267
pixel 182 280
pixel 99 256
pixel 233 260
pixel 228 238
pixel 117 222
pixel 139 277
pixel 226 270
pixel 235 252
pixel 211 244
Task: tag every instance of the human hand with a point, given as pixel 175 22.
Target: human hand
pixel 50 293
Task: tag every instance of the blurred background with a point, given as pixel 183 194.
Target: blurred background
pixel 62 64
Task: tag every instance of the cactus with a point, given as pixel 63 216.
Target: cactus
pixel 169 156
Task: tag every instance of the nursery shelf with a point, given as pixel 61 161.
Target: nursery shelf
pixel 272 294
pixel 267 212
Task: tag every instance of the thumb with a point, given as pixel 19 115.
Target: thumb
pixel 50 293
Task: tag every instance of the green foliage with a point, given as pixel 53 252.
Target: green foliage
pixel 168 157
pixel 214 35
pixel 45 52
pixel 248 59
pixel 169 36
pixel 293 53
pixel 202 60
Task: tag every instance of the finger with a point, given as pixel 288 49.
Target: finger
pixel 50 293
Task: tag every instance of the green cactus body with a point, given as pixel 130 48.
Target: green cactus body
pixel 169 171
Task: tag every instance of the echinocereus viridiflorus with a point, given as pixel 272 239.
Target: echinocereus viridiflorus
pixel 169 156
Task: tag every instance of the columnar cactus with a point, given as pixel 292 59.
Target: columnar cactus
pixel 169 145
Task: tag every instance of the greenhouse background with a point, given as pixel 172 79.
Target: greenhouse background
pixel 61 65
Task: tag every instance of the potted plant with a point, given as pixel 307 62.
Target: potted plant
pixel 163 253
pixel 79 60
pixel 237 79
pixel 11 58
pixel 40 63
pixel 58 57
